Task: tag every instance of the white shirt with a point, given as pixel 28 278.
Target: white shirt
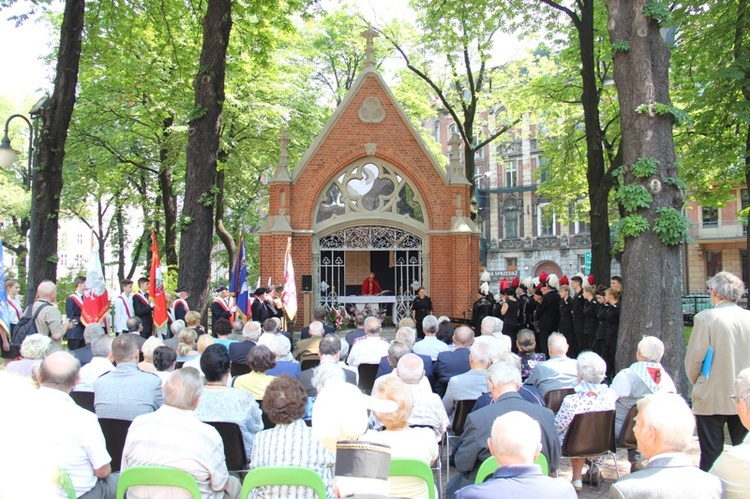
pixel 498 345
pixel 123 311
pixel 78 444
pixel 431 346
pixel 14 307
pixel 91 372
pixel 368 351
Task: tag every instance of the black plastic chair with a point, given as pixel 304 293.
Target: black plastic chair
pixel 591 434
pixel 178 365
pixel 627 433
pixel 115 431
pixel 554 398
pixel 234 446
pixel 238 369
pixel 309 364
pixel 84 399
pixel 267 423
pixel 367 373
pixel 463 408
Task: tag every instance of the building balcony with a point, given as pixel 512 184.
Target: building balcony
pixel 718 231
pixel 563 242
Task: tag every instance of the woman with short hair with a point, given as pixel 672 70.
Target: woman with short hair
pixel 260 359
pixel 591 395
pixel 220 402
pixel 147 349
pixel 33 349
pixel 164 362
pixel 290 442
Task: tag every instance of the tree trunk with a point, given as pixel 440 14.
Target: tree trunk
pixel 48 178
pixel 168 199
pixel 120 238
pixel 101 236
pixel 226 238
pixel 202 149
pixel 642 78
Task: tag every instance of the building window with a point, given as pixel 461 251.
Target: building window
pixel 710 218
pixel 79 239
pixel 63 260
pixel 545 220
pixel 713 263
pixel 510 217
pixel 744 198
pixel 79 260
pixel 511 173
pixel 582 264
pixel 582 227
pixel 511 263
pixel 543 174
pixel 13 259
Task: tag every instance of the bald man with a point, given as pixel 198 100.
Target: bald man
pixel 49 322
pixel 77 444
pixel 428 406
pixel 453 363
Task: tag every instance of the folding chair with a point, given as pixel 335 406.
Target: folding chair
pixel 591 434
pixel 306 364
pixel 234 447
pixel 238 369
pixel 489 466
pixel 115 431
pixel 158 476
pixel 84 399
pixel 627 435
pixel 367 373
pixel 463 408
pixel 283 475
pixel 413 468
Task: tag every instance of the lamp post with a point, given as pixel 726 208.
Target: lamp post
pixel 7 156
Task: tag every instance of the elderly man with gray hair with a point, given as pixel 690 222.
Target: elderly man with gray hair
pixel 492 332
pixel 90 333
pixel 732 465
pixel 428 408
pixel 329 350
pixel 308 348
pixel 643 377
pixel 238 351
pixel 559 371
pixel 172 436
pixel 430 344
pixel 664 429
pixel 408 336
pixel 473 383
pixel 77 444
pixel 454 362
pixel 101 363
pixel 504 380
pixel 370 349
pixel 515 442
pixel 720 341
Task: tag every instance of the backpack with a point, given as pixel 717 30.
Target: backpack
pixel 26 326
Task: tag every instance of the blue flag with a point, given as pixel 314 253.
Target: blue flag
pixel 4 311
pixel 238 285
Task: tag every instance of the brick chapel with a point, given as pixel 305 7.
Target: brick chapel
pixel 369 196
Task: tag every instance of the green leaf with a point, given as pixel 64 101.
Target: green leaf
pixel 671 226
pixel 620 46
pixel 644 167
pixel 633 225
pixel 633 197
pixel 658 11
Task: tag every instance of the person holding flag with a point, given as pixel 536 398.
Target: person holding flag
pixel 221 307
pixel 156 290
pixel 95 297
pixel 289 296
pixel 238 285
pixel 142 307
pixel 180 306
pixel 73 311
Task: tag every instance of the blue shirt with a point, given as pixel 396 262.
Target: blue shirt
pixel 519 480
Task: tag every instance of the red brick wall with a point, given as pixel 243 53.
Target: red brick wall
pixel 454 267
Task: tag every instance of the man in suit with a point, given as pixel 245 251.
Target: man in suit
pixel 142 308
pixel 358 332
pixel 726 330
pixel 329 350
pixel 180 306
pixel 516 443
pixel 664 428
pixel 453 363
pixel 127 391
pixel 238 351
pixel 73 310
pixel 259 308
pixel 473 383
pixel 90 333
pixel 135 329
pixel 221 307
pixel 548 311
pixel 319 314
pixel 504 379
pixel 408 336
pixel 308 348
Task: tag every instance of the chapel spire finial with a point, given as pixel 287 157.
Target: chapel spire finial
pixel 369 34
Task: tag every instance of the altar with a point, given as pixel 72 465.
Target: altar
pixel 361 301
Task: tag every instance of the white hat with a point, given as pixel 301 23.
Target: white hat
pixel 485 276
pixel 553 281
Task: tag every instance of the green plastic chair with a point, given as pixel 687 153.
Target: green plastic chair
pixel 64 482
pixel 489 466
pixel 283 475
pixel 413 468
pixel 156 475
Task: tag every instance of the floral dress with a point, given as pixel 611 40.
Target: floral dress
pixel 588 397
pixel 529 360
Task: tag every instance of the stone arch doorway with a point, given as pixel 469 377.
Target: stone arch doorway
pixel 549 267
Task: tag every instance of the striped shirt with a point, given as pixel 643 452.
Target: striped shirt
pixel 292 445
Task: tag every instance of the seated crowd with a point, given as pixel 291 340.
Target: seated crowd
pixel 521 409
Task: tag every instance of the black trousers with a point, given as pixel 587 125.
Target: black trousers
pixel 711 436
pixel 75 344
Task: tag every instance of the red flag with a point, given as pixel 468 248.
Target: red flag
pixel 156 286
pixel 289 298
pixel 95 297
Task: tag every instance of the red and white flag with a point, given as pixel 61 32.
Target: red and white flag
pixel 156 286
pixel 289 298
pixel 95 297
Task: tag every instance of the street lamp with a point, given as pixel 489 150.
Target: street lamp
pixel 7 156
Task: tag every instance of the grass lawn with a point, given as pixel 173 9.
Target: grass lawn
pixel 688 331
